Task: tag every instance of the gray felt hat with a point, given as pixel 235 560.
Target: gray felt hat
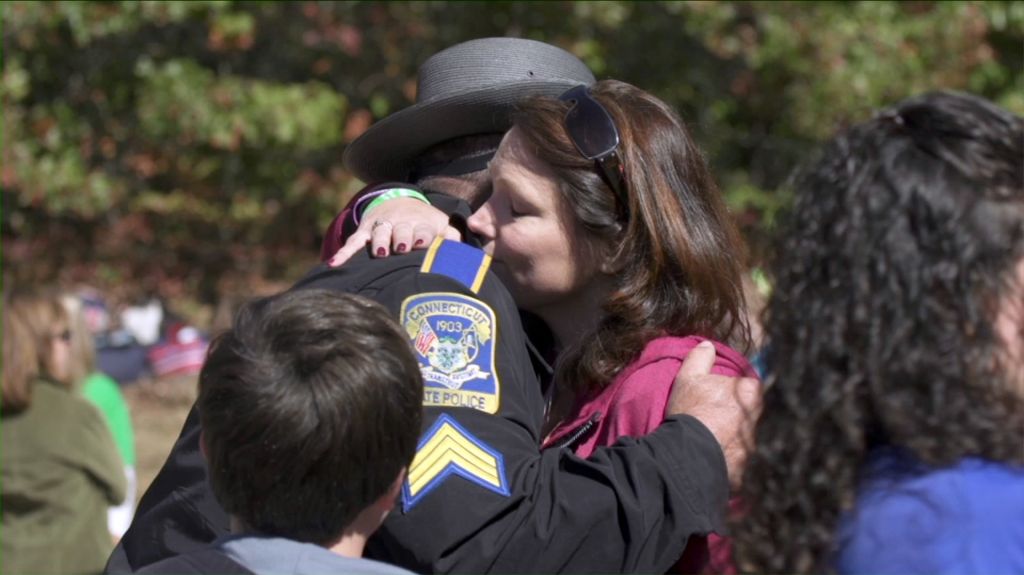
pixel 469 88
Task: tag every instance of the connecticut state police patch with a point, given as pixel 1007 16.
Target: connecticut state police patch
pixel 454 338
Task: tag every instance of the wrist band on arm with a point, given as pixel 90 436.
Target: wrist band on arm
pixel 360 204
pixel 395 193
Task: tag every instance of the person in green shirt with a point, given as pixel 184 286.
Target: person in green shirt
pixel 103 392
pixel 59 467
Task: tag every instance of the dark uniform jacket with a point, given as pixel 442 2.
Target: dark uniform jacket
pixel 480 495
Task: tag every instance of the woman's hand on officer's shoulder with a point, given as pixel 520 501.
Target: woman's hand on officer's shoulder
pixel 396 226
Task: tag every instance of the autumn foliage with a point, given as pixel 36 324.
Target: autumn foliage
pixel 193 149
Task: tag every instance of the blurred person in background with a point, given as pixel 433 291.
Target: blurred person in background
pixel 118 354
pixel 60 467
pixel 892 439
pixel 105 394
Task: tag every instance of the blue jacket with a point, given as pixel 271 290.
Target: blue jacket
pixel 968 518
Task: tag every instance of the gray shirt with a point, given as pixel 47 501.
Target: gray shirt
pixel 278 556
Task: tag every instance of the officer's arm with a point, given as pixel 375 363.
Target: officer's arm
pixel 481 497
pixel 627 508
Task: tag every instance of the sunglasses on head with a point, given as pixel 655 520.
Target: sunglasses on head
pixel 595 136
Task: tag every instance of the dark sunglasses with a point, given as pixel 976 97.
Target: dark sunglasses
pixel 593 131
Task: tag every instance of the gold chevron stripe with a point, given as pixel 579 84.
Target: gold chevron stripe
pixel 449 438
pixel 447 446
pixel 450 451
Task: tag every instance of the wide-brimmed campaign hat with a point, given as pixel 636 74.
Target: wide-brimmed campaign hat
pixel 469 88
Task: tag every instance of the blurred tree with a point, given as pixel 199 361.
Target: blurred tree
pixel 193 148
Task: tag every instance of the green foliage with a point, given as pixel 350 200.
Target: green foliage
pixel 184 102
pixel 831 63
pixel 195 147
pixel 765 82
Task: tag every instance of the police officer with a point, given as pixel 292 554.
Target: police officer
pixel 480 496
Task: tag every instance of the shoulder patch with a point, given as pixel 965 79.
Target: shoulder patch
pixel 448 449
pixel 454 337
pixel 464 264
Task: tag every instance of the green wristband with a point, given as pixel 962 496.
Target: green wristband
pixel 395 193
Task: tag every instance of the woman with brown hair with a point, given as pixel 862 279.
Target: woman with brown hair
pixel 60 467
pixel 604 221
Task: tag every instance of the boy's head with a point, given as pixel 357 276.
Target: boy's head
pixel 310 408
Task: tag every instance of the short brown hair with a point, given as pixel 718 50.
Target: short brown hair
pixel 679 253
pixel 310 408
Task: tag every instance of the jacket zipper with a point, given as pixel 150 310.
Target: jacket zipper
pixel 576 436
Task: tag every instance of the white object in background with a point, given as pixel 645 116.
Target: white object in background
pixel 144 321
pixel 119 517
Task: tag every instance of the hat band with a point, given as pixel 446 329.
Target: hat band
pixel 457 167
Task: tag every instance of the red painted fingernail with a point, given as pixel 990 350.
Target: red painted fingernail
pixel 401 248
pixel 418 243
pixel 381 252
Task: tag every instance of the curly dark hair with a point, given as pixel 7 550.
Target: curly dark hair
pixel 902 240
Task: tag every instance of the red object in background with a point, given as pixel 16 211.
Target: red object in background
pixel 182 353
